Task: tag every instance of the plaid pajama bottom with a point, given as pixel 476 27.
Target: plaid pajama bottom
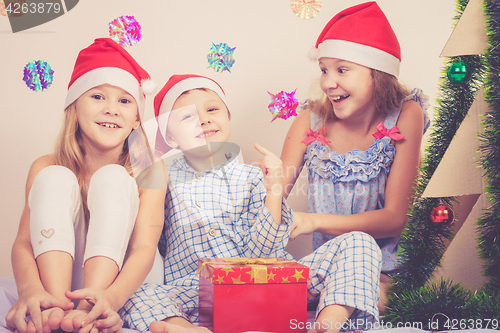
pixel 344 270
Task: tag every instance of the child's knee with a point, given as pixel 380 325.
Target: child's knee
pixel 110 183
pixel 359 238
pixel 362 242
pixel 111 176
pixel 54 178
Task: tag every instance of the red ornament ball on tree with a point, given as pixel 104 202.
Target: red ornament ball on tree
pixel 442 215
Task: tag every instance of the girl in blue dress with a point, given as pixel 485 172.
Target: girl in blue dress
pixel 348 140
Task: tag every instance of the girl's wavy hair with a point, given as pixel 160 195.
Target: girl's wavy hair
pixel 388 95
pixel 69 152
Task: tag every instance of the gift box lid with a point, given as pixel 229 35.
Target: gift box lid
pixel 252 270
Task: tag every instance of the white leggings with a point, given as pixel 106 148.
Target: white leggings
pixel 57 219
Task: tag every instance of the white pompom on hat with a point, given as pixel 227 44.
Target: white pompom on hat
pixel 107 62
pixel 363 35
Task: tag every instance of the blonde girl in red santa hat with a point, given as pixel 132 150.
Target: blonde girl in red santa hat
pixel 87 232
pixel 361 166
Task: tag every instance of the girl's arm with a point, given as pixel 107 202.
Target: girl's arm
pixel 390 220
pixel 32 294
pixel 294 150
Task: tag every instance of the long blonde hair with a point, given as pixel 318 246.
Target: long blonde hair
pixel 69 152
pixel 388 94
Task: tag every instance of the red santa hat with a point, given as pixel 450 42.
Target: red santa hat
pixel 105 61
pixel 361 34
pixel 175 86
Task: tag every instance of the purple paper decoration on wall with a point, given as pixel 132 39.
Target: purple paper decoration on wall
pixel 38 75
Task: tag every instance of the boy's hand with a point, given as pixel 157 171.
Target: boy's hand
pixel 272 169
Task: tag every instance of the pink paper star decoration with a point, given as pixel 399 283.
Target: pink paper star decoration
pixel 125 30
pixel 283 105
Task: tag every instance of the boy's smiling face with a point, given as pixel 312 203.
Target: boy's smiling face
pixel 198 117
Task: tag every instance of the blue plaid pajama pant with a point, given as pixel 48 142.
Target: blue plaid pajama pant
pixel 344 270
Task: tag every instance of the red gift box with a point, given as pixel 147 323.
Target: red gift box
pixel 242 294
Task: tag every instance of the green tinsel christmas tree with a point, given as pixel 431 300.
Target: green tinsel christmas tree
pixel 412 297
pixel 489 224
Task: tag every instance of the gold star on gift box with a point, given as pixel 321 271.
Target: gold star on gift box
pixel 237 280
pixel 298 275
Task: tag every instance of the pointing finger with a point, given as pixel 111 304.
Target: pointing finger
pixel 261 149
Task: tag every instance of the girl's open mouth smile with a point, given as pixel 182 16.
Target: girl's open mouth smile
pixel 109 125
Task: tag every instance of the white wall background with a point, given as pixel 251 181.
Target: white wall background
pixel 271 47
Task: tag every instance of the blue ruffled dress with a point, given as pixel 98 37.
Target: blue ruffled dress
pixel 354 182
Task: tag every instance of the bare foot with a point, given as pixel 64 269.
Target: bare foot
pixel 30 327
pixel 72 322
pixel 164 327
pixel 331 319
pixel 51 319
